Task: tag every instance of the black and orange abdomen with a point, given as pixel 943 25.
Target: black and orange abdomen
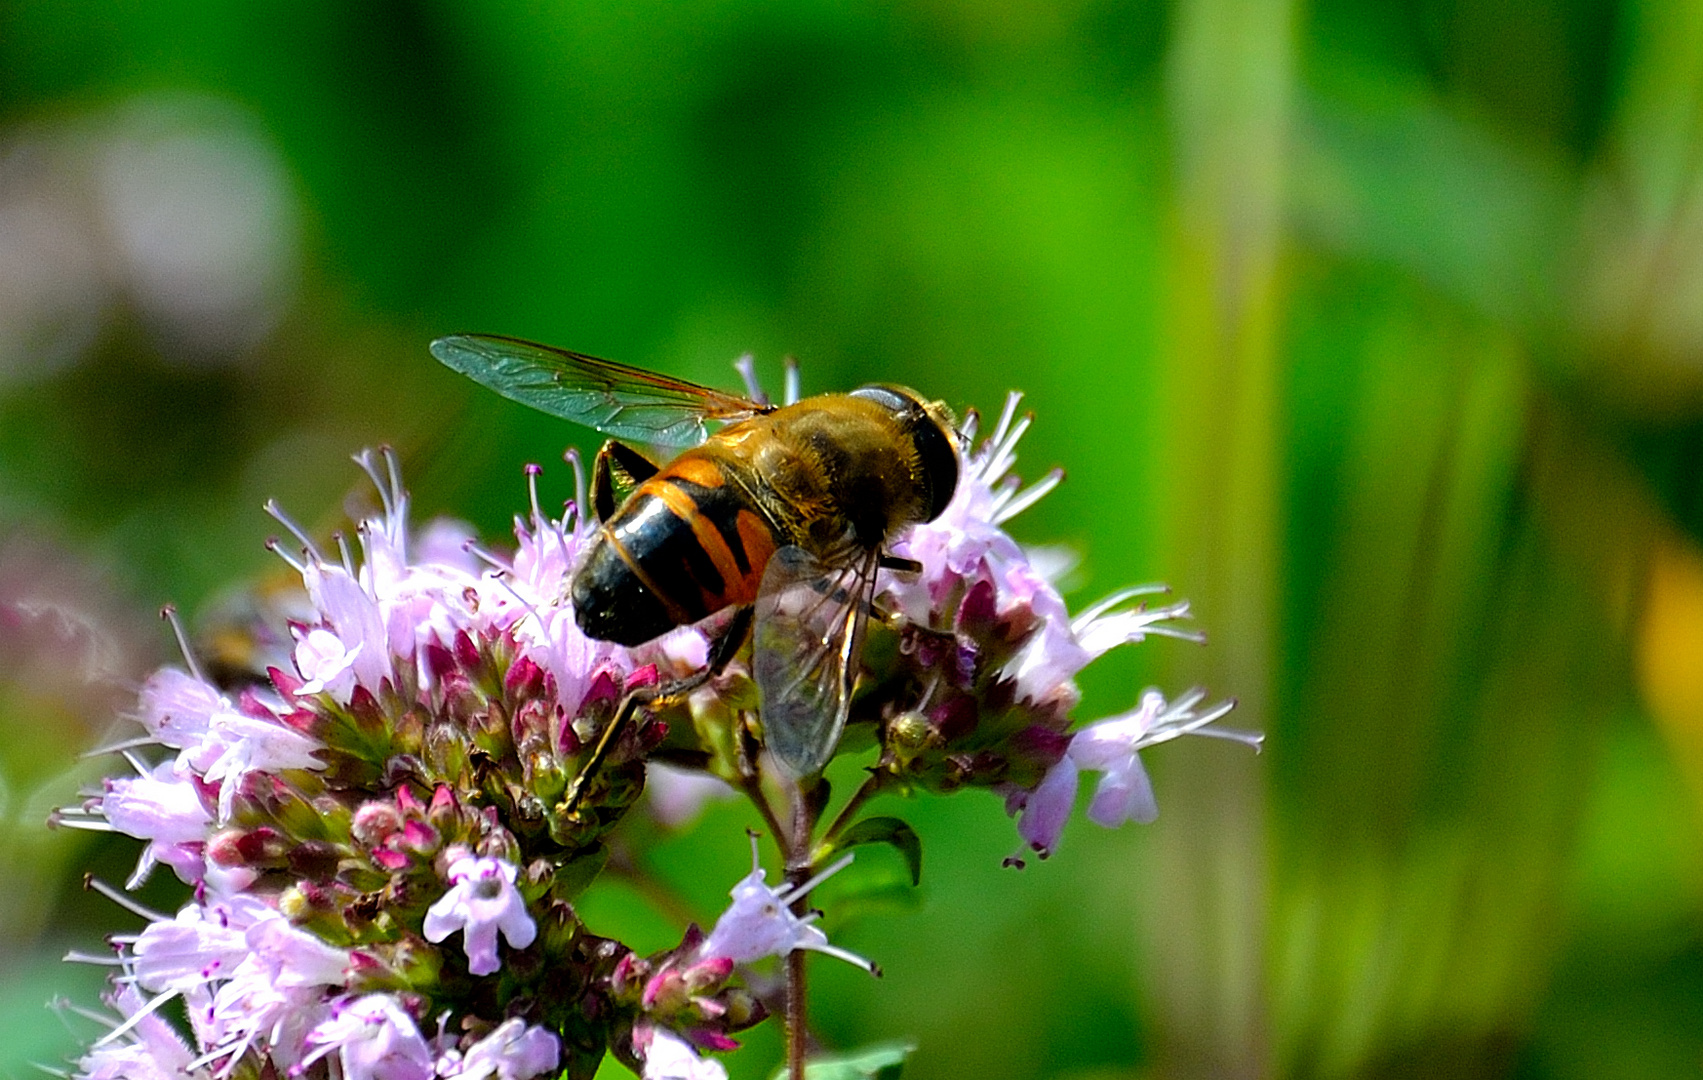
pixel 686 544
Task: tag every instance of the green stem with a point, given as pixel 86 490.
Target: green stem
pixel 872 786
pixel 753 788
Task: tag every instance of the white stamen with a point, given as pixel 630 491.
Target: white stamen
pixel 169 614
pixel 1004 493
pixel 67 819
pixel 967 430
pixel 532 472
pixel 1005 416
pixel 1255 739
pixel 365 460
pixel 571 456
pixel 61 1006
pixel 1139 621
pixel 1175 722
pixel 295 530
pixel 1003 451
pixel 1029 497
pixel 1197 637
pixel 125 902
pixel 747 367
pixel 236 1048
pixel 792 892
pixel 344 553
pixel 399 493
pixel 1094 611
pixel 277 549
pixel 135 1018
pixel 120 747
pixel 531 609
pixel 75 957
pixel 397 525
pixel 479 551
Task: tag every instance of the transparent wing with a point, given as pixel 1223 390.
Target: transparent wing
pixel 626 402
pixel 808 632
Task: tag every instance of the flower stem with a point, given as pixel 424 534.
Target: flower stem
pixel 753 788
pixel 872 785
pixel 798 871
pixel 796 1031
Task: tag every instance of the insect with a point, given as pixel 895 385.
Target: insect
pixel 786 511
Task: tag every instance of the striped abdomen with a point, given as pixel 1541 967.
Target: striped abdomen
pixel 687 543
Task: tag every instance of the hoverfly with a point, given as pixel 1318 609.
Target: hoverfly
pixel 785 511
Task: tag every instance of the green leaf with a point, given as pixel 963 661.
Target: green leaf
pixel 883 1061
pixel 881 830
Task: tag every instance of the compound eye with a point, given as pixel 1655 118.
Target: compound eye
pixel 885 396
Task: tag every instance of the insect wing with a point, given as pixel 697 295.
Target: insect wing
pixel 808 633
pixel 626 402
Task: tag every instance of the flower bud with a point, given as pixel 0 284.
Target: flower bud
pixel 315 860
pixel 375 821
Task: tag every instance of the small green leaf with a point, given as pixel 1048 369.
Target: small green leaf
pixel 883 1061
pixel 882 830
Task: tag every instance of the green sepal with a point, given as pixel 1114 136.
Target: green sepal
pixel 883 1061
pixel 878 830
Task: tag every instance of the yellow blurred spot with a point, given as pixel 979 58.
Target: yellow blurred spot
pixel 1670 651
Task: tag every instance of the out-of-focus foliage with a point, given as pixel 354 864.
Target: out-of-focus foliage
pixel 1375 328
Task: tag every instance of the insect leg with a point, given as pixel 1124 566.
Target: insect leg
pixel 723 649
pixel 898 565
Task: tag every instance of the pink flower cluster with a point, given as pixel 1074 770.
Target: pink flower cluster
pixel 289 805
pixel 989 653
pixel 387 829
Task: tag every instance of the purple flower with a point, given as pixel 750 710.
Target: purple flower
pixel 1111 747
pixel 201 945
pixel 148 1048
pixel 217 743
pixel 481 900
pixel 165 811
pixel 1045 809
pixel 276 993
pixel 177 708
pixel 513 1051
pixel 760 921
pixel 327 664
pixel 669 1057
pixel 239 745
pixel 246 975
pixel 352 617
pixel 374 1038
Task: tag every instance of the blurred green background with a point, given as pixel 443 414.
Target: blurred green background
pixel 1375 329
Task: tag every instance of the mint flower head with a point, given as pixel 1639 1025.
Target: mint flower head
pixel 386 823
pixel 980 685
pixel 379 830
